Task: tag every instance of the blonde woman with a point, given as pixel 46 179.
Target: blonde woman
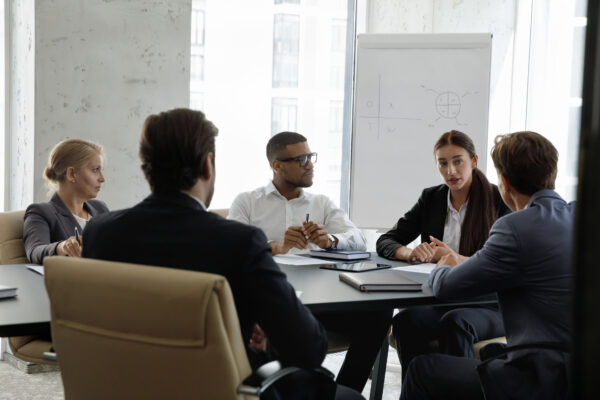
pixel 55 227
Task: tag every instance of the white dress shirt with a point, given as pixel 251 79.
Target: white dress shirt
pixel 454 220
pixel 267 209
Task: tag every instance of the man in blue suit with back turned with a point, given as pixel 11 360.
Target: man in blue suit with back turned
pixel 527 262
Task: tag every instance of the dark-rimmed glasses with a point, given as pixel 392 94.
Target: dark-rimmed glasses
pixel 302 160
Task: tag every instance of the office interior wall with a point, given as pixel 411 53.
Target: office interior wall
pixel 101 67
pixel 19 124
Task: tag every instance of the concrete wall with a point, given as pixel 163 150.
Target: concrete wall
pixel 101 67
pixel 19 100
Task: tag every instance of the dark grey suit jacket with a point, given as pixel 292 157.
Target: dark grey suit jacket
pixel 527 261
pixel 49 223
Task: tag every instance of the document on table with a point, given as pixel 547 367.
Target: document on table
pixel 419 268
pixel 36 268
pixel 293 259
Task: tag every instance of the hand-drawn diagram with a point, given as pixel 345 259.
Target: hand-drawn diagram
pixel 448 104
pixel 378 107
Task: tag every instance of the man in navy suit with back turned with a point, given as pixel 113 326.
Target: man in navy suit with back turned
pixel 172 228
pixel 527 262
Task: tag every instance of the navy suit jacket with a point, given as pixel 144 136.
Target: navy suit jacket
pixel 173 230
pixel 427 217
pixel 527 261
pixel 47 224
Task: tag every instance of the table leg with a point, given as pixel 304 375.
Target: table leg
pixel 379 372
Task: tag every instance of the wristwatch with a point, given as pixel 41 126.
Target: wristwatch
pixel 334 242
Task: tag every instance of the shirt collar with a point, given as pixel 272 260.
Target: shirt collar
pixel 451 207
pixel 197 199
pixel 270 188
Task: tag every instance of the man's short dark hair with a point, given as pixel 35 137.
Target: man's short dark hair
pixel 173 148
pixel 527 160
pixel 278 143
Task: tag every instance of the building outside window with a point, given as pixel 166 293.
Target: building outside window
pixel 286 49
pixel 267 68
pixel 284 114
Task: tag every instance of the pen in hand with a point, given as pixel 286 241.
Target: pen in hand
pixel 77 236
pixel 307 219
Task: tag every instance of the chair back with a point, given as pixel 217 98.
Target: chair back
pixel 12 250
pixel 126 331
pixel 223 212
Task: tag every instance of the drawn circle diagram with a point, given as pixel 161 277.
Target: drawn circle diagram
pixel 447 105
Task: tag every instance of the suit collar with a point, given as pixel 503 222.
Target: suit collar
pixel 176 199
pixel 541 194
pixel 62 209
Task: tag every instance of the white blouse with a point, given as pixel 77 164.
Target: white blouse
pixel 454 220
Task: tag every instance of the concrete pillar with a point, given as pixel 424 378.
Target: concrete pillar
pixel 100 68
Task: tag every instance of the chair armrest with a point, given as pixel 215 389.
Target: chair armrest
pixel 270 373
pixel 562 347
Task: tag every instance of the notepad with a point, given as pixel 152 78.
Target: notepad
pixel 381 281
pixel 341 254
pixel 7 291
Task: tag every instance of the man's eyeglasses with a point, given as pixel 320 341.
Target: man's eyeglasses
pixel 303 159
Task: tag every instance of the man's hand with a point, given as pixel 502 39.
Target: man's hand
pixel 258 341
pixel 317 234
pixel 449 258
pixel 293 237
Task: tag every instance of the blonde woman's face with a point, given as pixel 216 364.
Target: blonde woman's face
pixel 89 178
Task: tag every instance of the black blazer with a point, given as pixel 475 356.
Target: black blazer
pixel 427 217
pixel 47 224
pixel 173 230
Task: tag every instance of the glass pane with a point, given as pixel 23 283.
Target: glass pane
pixel 259 68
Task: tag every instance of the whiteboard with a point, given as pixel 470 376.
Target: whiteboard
pixel 409 89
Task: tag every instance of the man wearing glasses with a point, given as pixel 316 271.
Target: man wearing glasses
pixel 290 217
pixel 295 220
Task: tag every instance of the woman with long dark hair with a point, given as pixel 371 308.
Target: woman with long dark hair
pixel 460 213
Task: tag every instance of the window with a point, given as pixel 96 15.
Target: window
pixel 338 36
pixel 555 72
pixel 284 113
pixel 197 67
pixel 266 67
pixel 197 101
pixel 286 40
pixel 198 24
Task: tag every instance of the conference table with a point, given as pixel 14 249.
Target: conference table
pixel 319 289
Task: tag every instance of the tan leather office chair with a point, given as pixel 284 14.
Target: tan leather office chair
pixel 126 331
pixel 12 251
pixel 223 212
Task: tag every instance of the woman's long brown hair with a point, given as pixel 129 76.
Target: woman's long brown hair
pixel 481 212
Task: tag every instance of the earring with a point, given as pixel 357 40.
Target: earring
pixel 73 180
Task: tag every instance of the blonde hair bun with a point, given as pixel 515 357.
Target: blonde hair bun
pixel 69 153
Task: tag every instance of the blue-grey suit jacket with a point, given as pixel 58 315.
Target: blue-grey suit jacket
pixel 47 224
pixel 527 261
